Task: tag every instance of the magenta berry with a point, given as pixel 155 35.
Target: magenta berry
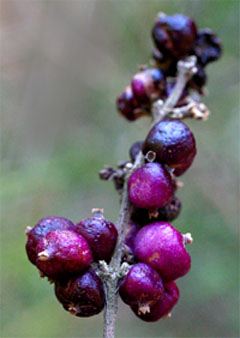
pixel 131 231
pixel 63 252
pixel 100 234
pixel 41 229
pixel 207 47
pixel 174 144
pixel 128 105
pixel 174 35
pixel 142 286
pixel 150 186
pixel 163 306
pixel 149 85
pixel 82 296
pixel 163 247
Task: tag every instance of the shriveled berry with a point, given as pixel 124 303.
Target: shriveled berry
pixel 207 46
pixel 163 247
pixel 63 252
pixel 149 85
pixel 100 234
pixel 167 213
pixel 82 296
pixel 150 186
pixel 128 105
pixel 41 229
pixel 174 35
pixel 141 287
pixel 174 144
pixel 163 306
pixel 135 149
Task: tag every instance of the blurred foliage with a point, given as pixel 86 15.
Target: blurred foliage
pixel 63 63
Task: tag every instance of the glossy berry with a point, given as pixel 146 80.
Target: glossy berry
pixel 150 186
pixel 174 35
pixel 100 234
pixel 142 286
pixel 135 149
pixel 82 296
pixel 128 105
pixel 163 306
pixel 63 252
pixel 149 85
pixel 174 144
pixel 163 247
pixel 168 213
pixel 207 47
pixel 41 229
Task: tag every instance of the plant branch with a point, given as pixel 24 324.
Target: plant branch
pixel 112 273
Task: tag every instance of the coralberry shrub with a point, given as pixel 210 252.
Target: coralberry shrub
pixel 140 258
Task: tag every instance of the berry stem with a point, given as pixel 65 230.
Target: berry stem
pixel 186 68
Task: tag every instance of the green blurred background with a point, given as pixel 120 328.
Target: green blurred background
pixel 63 63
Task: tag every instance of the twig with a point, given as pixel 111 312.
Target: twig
pixel 112 273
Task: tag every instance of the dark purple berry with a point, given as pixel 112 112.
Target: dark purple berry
pixel 165 62
pixel 199 80
pixel 207 46
pixel 82 296
pixel 41 229
pixel 174 144
pixel 141 287
pixel 135 149
pixel 150 186
pixel 149 85
pixel 100 234
pixel 131 231
pixel 174 35
pixel 163 306
pixel 162 247
pixel 63 252
pixel 167 213
pixel 128 105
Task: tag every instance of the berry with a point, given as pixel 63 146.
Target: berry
pixel 100 234
pixel 41 229
pixel 163 247
pixel 167 213
pixel 141 287
pixel 174 35
pixel 149 85
pixel 131 231
pixel 167 63
pixel 199 80
pixel 82 296
pixel 174 144
pixel 163 306
pixel 135 149
pixel 128 105
pixel 150 186
pixel 63 252
pixel 207 47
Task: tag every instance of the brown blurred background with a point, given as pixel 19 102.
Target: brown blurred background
pixel 62 65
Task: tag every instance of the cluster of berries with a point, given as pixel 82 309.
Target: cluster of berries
pixel 64 252
pixel 156 248
pixel 71 255
pixel 175 37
